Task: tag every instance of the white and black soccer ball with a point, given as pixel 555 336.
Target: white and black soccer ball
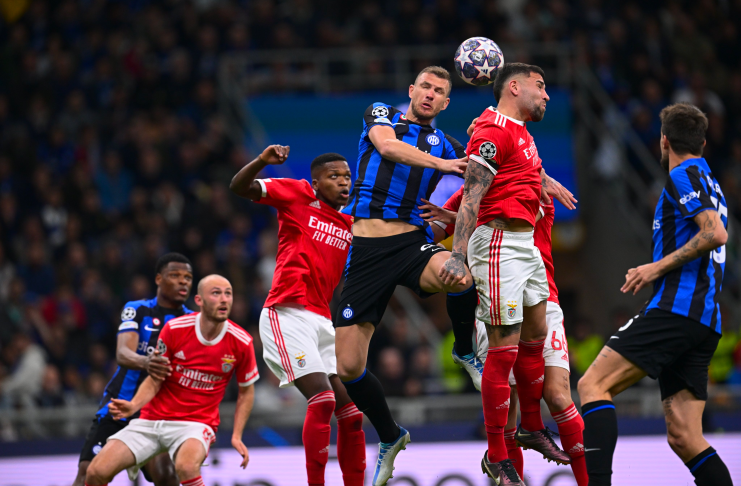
pixel 478 60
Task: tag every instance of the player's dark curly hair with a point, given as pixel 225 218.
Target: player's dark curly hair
pixel 509 71
pixel 323 159
pixel 167 258
pixel 684 126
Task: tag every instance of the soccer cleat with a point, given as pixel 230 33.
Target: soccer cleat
pixel 386 454
pixel 541 441
pixel 473 367
pixel 503 473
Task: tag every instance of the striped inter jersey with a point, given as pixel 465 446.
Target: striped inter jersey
pixel 692 289
pixel 387 190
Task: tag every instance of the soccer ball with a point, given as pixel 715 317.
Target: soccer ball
pixel 477 61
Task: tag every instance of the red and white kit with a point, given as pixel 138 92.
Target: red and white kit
pixel 187 404
pixel 555 351
pixel 504 264
pixel 314 238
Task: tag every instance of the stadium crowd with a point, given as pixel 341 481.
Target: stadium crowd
pixel 113 151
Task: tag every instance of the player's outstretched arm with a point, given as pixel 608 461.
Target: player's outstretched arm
pixel 121 409
pixel 154 364
pixel 551 187
pixel 384 139
pixel 434 213
pixel 477 181
pixel 245 401
pixel 244 185
pixel 712 235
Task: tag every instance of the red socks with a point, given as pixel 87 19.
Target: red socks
pixel 570 428
pixel 316 435
pixel 529 372
pixel 351 445
pixel 495 396
pixel 514 452
pixel 193 482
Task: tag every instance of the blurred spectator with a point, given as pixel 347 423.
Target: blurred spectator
pixel 391 371
pixel 584 346
pixel 27 363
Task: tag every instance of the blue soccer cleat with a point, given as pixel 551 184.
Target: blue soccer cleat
pixel 386 454
pixel 473 367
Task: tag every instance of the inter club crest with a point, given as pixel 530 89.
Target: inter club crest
pixel 227 363
pixel 301 359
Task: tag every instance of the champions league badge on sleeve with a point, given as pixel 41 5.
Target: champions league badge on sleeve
pixel 161 346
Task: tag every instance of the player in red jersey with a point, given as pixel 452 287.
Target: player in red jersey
pixel 556 386
pixel 180 414
pixel 498 214
pixel 295 324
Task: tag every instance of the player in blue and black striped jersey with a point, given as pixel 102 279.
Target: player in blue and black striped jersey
pixel 401 159
pixel 137 357
pixel 675 335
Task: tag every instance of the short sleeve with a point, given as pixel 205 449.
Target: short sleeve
pixel 281 192
pixel 247 372
pixel 488 147
pixel 688 189
pixel 453 148
pixel 378 114
pixel 130 318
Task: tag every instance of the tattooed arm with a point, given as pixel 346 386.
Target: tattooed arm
pixel 712 235
pixel 551 187
pixel 477 181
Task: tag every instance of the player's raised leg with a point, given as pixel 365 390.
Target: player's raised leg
pixel 188 459
pixel 461 305
pixel 350 436
pixel 367 394
pixel 111 460
pixel 609 374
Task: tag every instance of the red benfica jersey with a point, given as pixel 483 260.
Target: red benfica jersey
pixel 201 370
pixel 314 239
pixel 504 146
pixel 542 236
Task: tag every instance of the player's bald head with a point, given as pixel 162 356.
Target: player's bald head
pixel 210 281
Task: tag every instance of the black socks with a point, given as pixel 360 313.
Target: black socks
pixel 367 394
pixel 600 437
pixel 709 470
pixel 462 313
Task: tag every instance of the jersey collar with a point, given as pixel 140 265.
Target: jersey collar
pixel 217 339
pixel 521 123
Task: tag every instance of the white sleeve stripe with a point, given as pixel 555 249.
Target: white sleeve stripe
pixel 264 188
pixel 480 160
pixel 248 383
pixel 441 224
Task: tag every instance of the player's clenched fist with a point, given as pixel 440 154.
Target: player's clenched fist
pixel 157 366
pixel 453 271
pixel 121 409
pixel 275 154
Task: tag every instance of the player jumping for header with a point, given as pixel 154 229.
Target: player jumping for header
pixel 401 159
pixel 181 412
pixel 674 336
pixel 501 199
pixel 295 325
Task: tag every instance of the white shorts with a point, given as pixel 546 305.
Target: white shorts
pixel 297 342
pixel 555 350
pixel 509 273
pixel 147 438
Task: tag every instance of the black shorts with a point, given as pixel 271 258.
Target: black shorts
pixel 375 266
pixel 673 348
pixel 102 428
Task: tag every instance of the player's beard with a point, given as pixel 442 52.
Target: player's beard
pixel 537 112
pixel 665 160
pixel 423 119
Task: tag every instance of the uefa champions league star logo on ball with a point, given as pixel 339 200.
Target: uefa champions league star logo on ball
pixel 477 61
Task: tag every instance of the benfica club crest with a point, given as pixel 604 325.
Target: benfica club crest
pixel 227 363
pixel 512 304
pixel 301 359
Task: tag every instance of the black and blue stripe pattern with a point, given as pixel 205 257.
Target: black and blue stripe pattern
pixel 147 318
pixel 691 290
pixel 387 190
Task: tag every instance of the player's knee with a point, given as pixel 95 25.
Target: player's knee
pixel 81 473
pixel 349 369
pixel 187 470
pixel 585 387
pixel 95 474
pixel 163 474
pixel 556 398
